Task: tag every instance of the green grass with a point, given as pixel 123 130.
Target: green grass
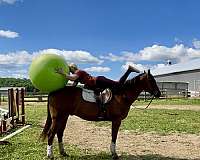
pixel 25 145
pixel 183 101
pixel 161 121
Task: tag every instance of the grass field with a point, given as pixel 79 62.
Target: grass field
pixel 183 101
pixel 26 146
pixel 161 121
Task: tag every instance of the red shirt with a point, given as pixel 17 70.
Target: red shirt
pixel 86 78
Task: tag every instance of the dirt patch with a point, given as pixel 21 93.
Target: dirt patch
pixel 88 136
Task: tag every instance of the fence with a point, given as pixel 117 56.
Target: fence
pixel 35 97
pixel 167 93
pixel 15 113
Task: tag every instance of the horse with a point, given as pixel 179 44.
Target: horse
pixel 68 101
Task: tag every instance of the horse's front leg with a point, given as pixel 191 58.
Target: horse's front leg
pixel 115 128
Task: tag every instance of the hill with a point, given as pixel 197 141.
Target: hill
pixel 17 82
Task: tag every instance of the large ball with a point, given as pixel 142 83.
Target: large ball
pixel 43 75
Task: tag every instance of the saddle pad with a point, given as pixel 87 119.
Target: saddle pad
pixel 88 95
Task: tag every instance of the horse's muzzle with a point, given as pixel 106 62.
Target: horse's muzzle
pixel 157 93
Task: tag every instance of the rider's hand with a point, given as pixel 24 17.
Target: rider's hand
pixel 60 71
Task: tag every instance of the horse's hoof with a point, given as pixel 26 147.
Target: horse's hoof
pixel 50 156
pixel 115 157
pixel 64 154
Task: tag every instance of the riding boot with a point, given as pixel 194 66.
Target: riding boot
pixel 100 107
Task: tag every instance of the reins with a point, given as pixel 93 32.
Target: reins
pixel 132 82
pixel 150 102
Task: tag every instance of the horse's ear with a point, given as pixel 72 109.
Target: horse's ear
pixel 149 71
pixel 144 71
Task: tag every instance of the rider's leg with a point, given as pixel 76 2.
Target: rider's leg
pixel 103 82
pixel 126 74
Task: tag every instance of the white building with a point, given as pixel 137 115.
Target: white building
pixel 188 72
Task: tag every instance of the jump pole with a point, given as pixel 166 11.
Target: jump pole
pixel 14 133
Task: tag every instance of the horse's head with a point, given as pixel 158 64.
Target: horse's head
pixel 150 84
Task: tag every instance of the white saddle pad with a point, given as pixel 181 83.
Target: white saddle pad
pixel 88 95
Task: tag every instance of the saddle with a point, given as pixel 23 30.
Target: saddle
pixel 104 97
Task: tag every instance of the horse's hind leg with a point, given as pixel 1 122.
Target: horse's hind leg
pixel 60 130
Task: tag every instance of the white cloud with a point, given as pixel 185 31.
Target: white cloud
pixel 196 43
pixel 157 53
pixel 20 57
pixel 75 56
pixel 177 40
pixel 143 67
pixel 177 53
pixel 112 57
pixel 24 57
pixel 15 64
pixel 14 70
pixel 159 66
pixel 98 69
pixel 9 1
pixel 137 66
pixel 125 56
pixel 8 34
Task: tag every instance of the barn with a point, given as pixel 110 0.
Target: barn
pixel 181 74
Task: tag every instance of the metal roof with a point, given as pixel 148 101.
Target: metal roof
pixel 179 67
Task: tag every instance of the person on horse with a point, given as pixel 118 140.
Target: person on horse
pixel 94 83
pixel 97 84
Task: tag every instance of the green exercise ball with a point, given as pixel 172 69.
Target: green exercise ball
pixel 43 75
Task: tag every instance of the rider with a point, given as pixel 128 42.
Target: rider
pixel 90 82
pixel 97 84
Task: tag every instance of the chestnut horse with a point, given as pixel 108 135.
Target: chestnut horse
pixel 68 101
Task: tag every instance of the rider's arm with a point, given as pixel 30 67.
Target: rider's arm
pixel 71 77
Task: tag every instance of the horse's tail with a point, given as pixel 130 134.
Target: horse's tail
pixel 47 124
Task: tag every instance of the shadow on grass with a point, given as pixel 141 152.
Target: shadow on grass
pixel 104 156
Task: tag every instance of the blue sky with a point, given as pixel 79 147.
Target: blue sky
pixel 101 36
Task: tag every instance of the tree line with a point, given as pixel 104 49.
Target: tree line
pixel 17 82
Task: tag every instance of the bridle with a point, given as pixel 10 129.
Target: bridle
pixel 153 95
pixel 150 102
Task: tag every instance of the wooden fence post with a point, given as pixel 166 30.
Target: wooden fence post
pixel 17 103
pixel 0 126
pixel 0 98
pixel 12 103
pixel 12 106
pixel 9 102
pixel 4 127
pixel 23 109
